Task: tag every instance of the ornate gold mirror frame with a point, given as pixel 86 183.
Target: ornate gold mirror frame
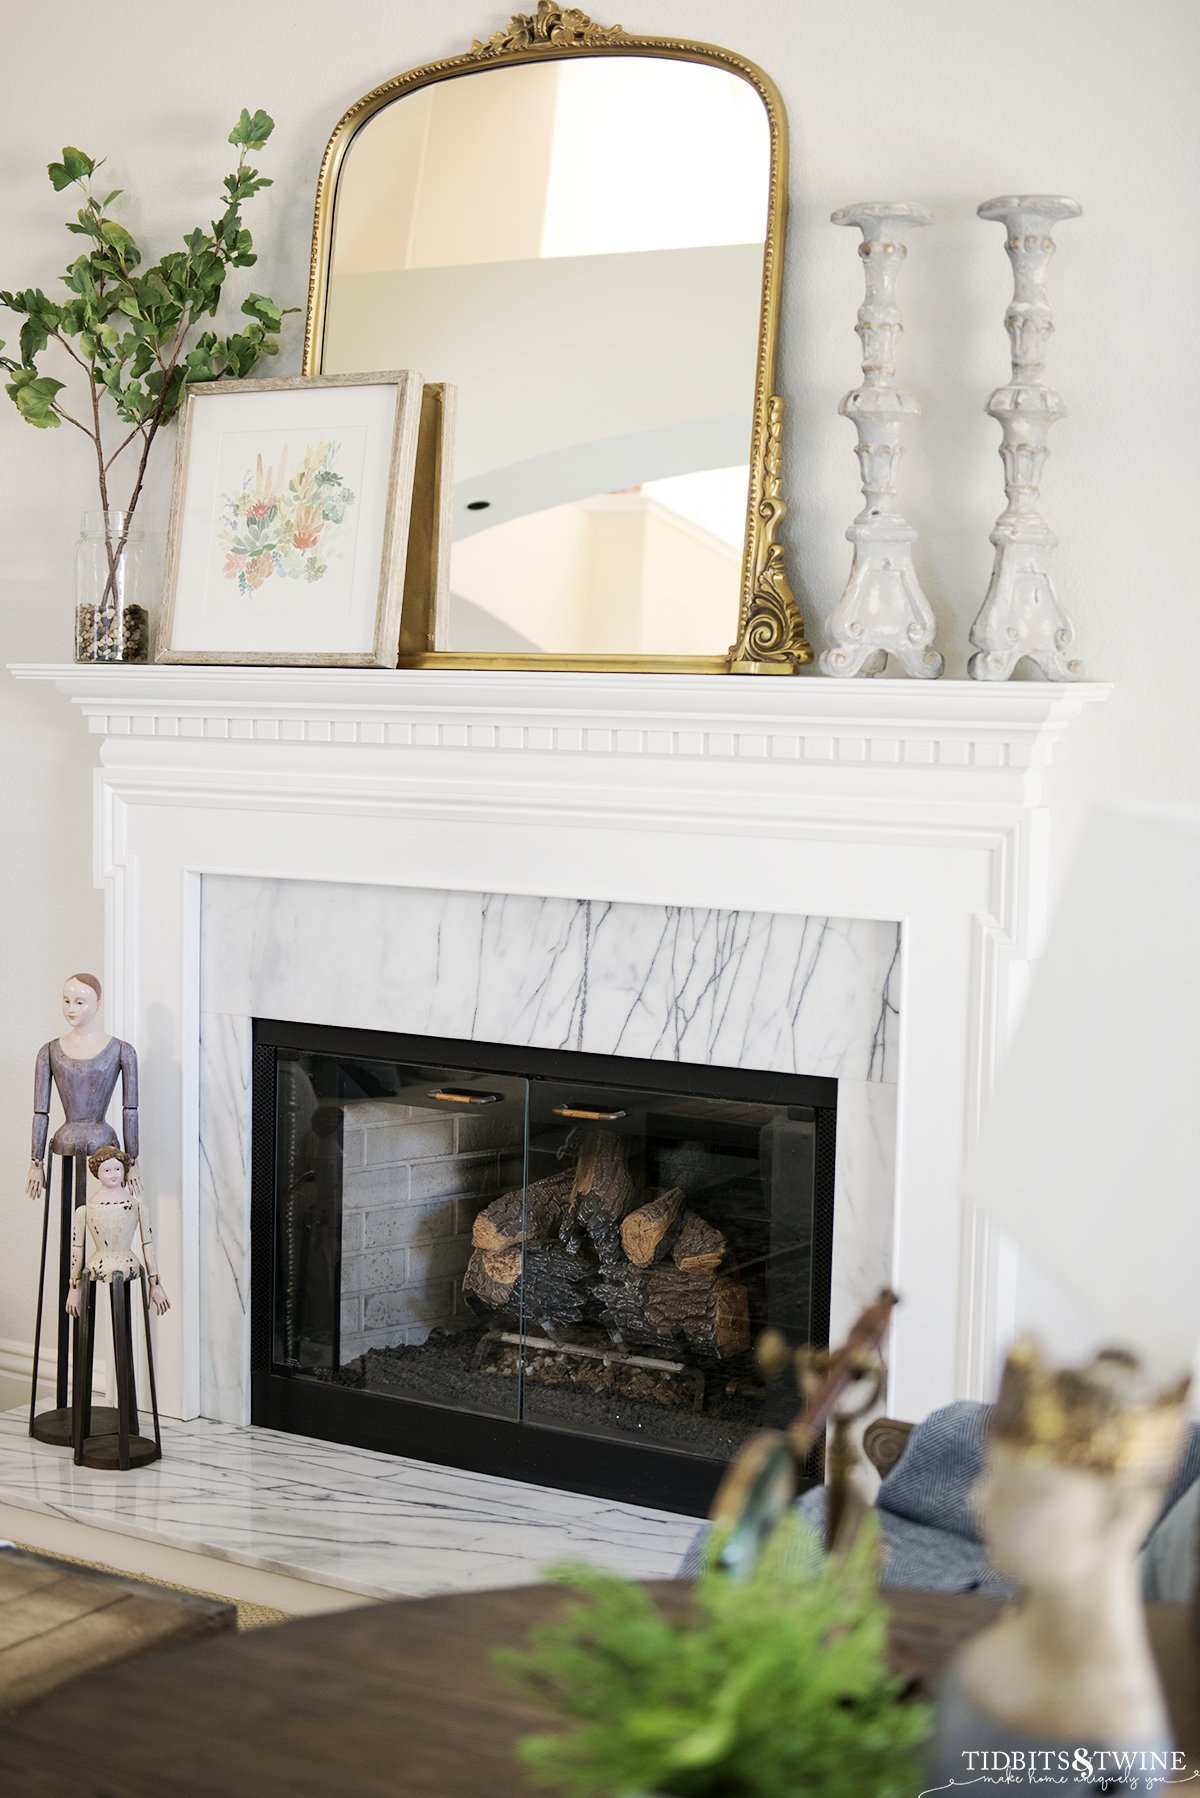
pixel 770 635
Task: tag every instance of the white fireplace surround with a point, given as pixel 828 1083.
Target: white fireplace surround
pixel 916 804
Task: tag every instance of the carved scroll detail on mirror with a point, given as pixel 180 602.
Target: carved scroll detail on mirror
pixel 771 636
pixel 549 25
pixel 763 617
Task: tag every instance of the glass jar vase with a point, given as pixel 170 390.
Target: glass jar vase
pixel 112 623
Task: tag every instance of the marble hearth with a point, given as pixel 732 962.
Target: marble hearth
pixel 810 875
pixel 323 1519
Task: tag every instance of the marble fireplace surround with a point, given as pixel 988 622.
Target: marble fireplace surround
pixel 660 983
pixel 227 797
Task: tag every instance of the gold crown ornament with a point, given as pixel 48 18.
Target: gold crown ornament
pixel 1102 1418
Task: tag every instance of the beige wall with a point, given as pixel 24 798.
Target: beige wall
pixel 524 162
pixel 929 99
pixel 414 190
pixel 687 575
pixel 609 576
pixel 374 227
pixel 530 573
pixel 473 208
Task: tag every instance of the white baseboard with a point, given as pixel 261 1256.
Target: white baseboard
pixel 16 1360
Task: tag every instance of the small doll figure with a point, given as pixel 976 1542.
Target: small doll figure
pixel 112 1215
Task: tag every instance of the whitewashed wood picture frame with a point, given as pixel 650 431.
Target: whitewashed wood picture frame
pixel 290 521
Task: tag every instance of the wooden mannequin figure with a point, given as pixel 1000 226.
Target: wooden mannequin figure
pixel 112 1217
pixel 83 1067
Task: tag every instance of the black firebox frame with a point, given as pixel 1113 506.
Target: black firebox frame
pixel 281 1399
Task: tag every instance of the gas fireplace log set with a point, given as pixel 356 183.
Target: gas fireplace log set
pixel 526 1215
pixel 647 1233
pixel 606 1189
pixel 594 1245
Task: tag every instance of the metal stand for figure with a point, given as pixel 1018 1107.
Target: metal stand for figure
pixel 55 1425
pixel 124 1446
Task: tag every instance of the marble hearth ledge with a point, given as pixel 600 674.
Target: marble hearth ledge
pixel 376 1525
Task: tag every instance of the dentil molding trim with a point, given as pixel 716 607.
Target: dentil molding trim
pixel 953 724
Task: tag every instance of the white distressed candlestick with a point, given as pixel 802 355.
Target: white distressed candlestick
pixel 883 610
pixel 1021 615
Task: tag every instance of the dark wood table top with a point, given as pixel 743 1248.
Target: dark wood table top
pixel 394 1698
pixel 59 1621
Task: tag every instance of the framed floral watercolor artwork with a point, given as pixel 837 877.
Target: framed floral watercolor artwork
pixel 290 521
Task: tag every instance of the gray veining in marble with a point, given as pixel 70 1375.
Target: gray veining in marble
pixel 724 989
pixel 807 995
pixel 225 1046
pixel 864 1180
pixel 373 1524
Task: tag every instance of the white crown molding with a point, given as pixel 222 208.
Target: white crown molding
pixel 951 725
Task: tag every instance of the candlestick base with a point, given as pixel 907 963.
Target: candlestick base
pixel 882 613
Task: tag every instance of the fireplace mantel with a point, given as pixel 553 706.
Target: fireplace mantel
pixel 883 730
pixel 922 803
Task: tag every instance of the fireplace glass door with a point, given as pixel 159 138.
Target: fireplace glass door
pixel 679 1228
pixel 381 1170
pixel 536 1269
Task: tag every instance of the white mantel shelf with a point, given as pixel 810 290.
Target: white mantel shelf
pixel 950 726
pixel 922 804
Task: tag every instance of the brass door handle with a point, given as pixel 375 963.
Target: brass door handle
pixel 456 1095
pixel 593 1117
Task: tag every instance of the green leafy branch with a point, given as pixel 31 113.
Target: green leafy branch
pixel 132 330
pixel 776 1686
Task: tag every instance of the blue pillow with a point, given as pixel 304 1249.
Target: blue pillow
pixel 917 1555
pixel 1169 1559
pixel 1187 1472
pixel 932 1481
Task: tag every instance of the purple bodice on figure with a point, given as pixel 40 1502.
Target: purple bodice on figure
pixel 85 1089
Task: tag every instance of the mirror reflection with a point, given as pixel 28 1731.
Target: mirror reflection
pixel 578 247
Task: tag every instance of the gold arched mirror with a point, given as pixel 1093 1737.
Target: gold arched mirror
pixel 575 234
